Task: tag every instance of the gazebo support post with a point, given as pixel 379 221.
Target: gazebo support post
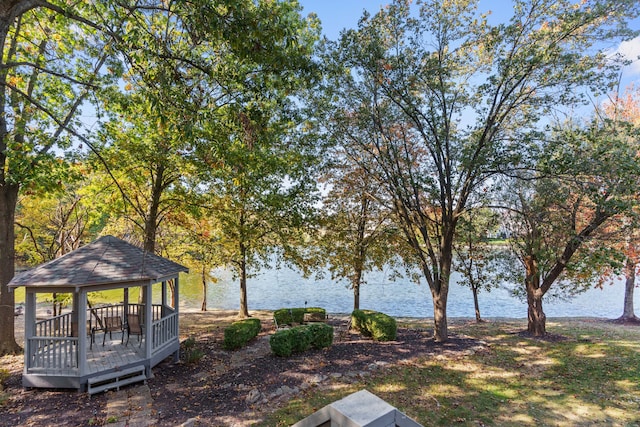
pixel 164 298
pixel 125 314
pixel 148 323
pixel 29 324
pixel 80 307
pixel 176 304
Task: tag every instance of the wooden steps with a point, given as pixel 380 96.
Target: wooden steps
pixel 116 379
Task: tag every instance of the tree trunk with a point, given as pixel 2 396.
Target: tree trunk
pixel 356 289
pixel 361 251
pixel 204 289
pixel 475 303
pixel 153 209
pixel 536 319
pixel 172 291
pixel 440 291
pixel 55 304
pixel 629 286
pixel 244 309
pixel 8 200
pixel 440 330
pixel 151 217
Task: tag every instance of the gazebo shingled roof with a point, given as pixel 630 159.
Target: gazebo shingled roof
pixel 108 260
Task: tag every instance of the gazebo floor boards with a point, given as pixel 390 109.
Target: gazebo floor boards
pixel 114 354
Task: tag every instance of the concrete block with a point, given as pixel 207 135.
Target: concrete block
pixel 360 409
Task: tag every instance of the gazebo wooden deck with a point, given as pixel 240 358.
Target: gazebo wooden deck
pixel 57 356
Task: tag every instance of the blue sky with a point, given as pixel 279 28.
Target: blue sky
pixel 336 15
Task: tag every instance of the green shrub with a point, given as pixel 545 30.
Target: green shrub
pixel 288 316
pixel 383 327
pixel 379 326
pixel 300 338
pixel 281 343
pixel 239 333
pixel 320 310
pixel 291 316
pixel 192 354
pixel 321 335
pixel 359 321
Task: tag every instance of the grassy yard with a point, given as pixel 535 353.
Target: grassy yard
pixel 588 374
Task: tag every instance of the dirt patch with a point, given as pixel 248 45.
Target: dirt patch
pixel 631 321
pixel 229 387
pixel 548 337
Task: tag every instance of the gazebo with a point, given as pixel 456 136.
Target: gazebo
pixel 57 354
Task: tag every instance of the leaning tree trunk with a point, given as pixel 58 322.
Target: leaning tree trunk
pixel 536 319
pixel 8 200
pixel 629 286
pixel 476 304
pixel 204 289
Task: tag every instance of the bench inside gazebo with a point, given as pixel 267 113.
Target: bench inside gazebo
pixel 120 342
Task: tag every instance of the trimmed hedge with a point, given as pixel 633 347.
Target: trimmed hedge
pixel 285 342
pixel 281 343
pixel 321 335
pixel 239 333
pixel 376 325
pixel 300 339
pixel 290 316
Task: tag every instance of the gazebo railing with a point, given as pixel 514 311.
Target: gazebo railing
pixel 54 345
pixel 53 353
pixel 164 331
pixel 57 326
pixel 62 325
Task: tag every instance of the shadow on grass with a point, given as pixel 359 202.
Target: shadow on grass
pixel 591 376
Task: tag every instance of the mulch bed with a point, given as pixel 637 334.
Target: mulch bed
pixel 229 387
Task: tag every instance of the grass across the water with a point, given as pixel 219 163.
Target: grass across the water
pixel 588 373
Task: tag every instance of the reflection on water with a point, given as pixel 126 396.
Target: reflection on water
pixel 273 289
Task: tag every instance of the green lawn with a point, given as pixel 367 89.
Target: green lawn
pixel 589 377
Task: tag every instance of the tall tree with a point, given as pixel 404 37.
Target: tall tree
pixel 261 192
pixel 254 161
pixel 168 84
pixel 445 97
pixel 356 233
pixel 626 108
pixel 53 57
pixel 141 150
pixel 586 176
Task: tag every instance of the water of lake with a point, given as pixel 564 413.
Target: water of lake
pixel 273 289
